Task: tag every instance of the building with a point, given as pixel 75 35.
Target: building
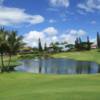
pixel 93 46
pixel 61 47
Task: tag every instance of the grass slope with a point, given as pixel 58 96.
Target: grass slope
pixel 25 86
pixel 92 55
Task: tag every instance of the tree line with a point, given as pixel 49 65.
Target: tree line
pixel 79 45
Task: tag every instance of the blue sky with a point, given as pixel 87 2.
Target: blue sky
pixel 51 20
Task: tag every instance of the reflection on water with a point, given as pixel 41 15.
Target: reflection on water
pixel 58 66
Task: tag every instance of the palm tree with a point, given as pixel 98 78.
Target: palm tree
pixel 3 46
pixel 14 43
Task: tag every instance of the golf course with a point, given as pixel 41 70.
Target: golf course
pixel 93 55
pixel 50 50
pixel 28 86
pixel 25 86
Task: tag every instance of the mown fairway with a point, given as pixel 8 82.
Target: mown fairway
pixel 24 86
pixel 92 55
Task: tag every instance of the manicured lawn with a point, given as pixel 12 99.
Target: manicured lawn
pixel 92 55
pixel 25 86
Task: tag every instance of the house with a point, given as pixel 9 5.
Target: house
pixel 93 46
pixel 50 49
pixel 61 47
pixel 26 50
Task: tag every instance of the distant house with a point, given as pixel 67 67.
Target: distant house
pixel 50 49
pixel 65 47
pixel 26 50
pixel 60 48
pixel 93 46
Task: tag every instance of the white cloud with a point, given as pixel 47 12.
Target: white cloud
pixel 71 35
pixel 79 32
pixel 61 3
pixel 90 5
pixel 10 16
pixel 47 35
pixel 51 31
pixel 31 38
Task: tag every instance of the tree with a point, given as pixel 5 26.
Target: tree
pixel 45 47
pixel 98 40
pixel 80 44
pixel 10 43
pixel 40 46
pixel 3 46
pixel 76 43
pixel 14 43
pixel 88 44
pixel 55 47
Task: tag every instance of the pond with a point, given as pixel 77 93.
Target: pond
pixel 58 66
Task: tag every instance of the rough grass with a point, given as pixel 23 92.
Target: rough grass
pixel 25 86
pixel 92 55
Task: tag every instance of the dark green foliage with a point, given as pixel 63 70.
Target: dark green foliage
pixel 3 47
pixel 40 46
pixel 88 44
pixel 79 45
pixel 45 47
pixel 98 40
pixel 10 43
pixel 14 43
pixel 76 43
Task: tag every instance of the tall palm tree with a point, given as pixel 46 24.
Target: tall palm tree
pixel 14 43
pixel 3 46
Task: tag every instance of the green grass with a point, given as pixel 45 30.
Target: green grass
pixel 33 55
pixel 25 86
pixel 14 61
pixel 92 55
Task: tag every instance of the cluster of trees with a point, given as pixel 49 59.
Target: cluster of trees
pixel 79 45
pixel 54 46
pixel 10 43
pixel 40 48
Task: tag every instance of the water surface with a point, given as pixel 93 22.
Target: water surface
pixel 58 66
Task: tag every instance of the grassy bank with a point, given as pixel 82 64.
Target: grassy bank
pixel 22 86
pixel 92 55
pixel 14 61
